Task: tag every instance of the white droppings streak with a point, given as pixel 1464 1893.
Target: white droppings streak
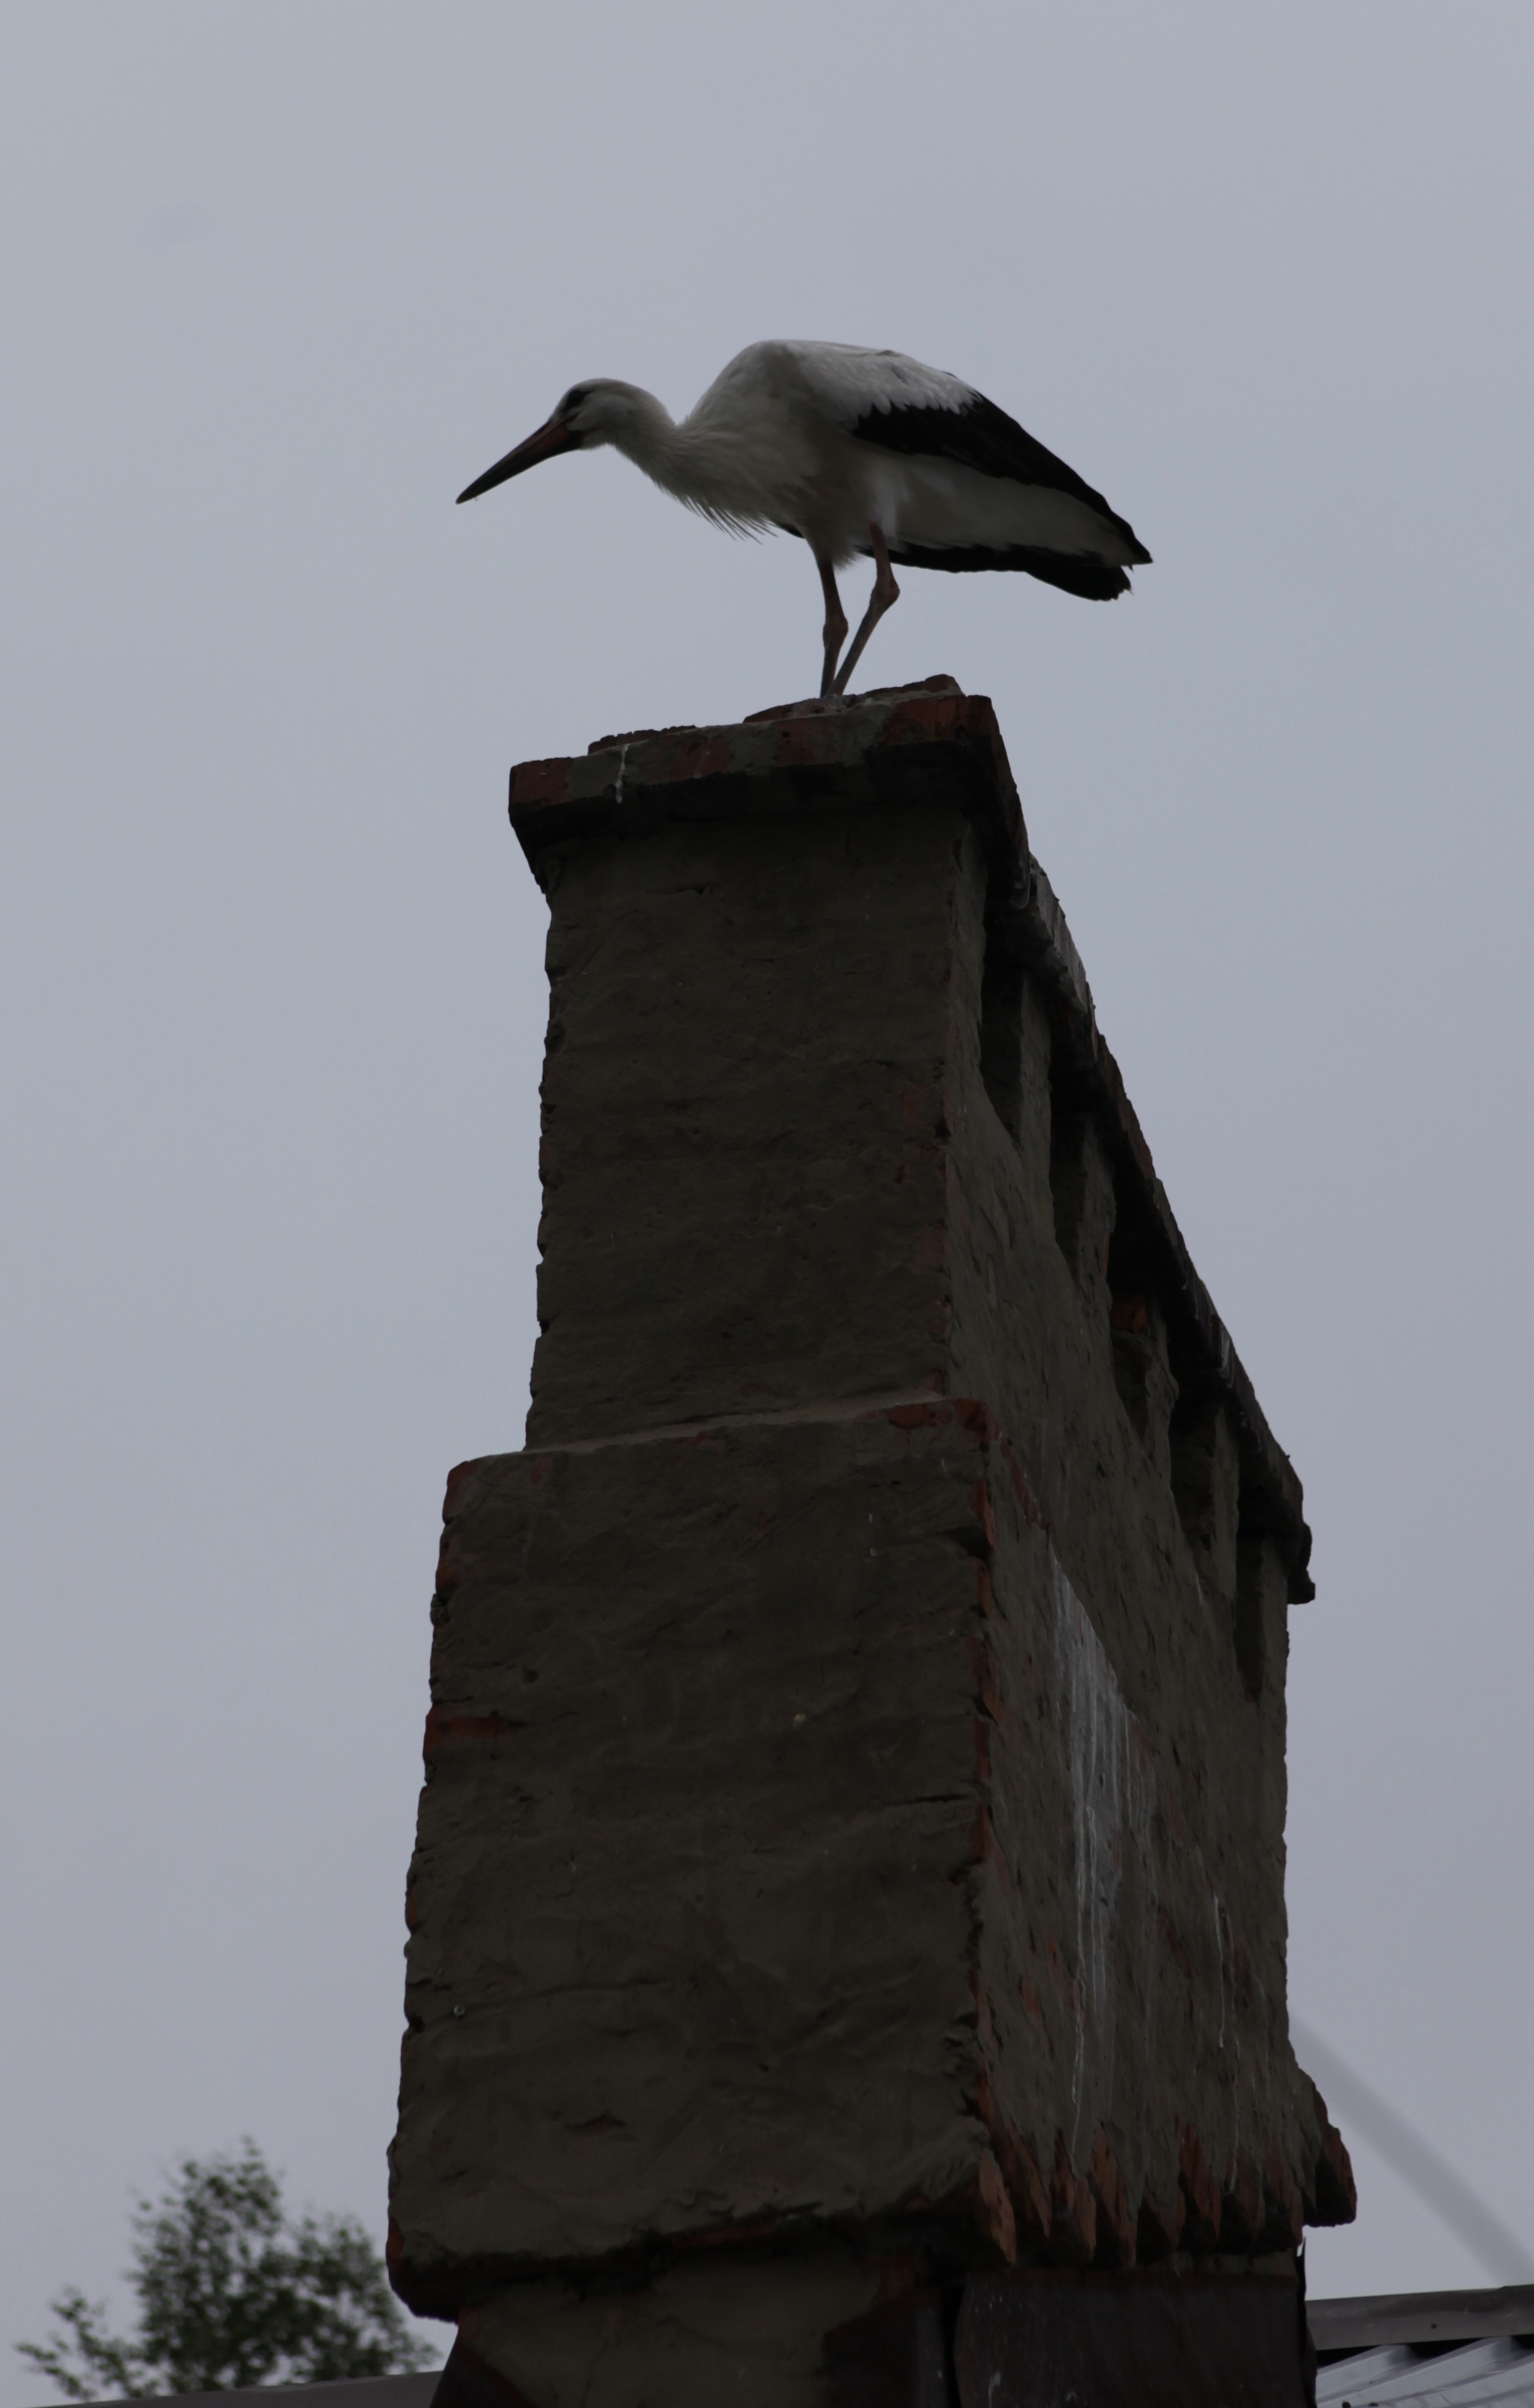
pixel 1220 1956
pixel 1112 1799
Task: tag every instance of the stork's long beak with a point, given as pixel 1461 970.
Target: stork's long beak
pixel 556 436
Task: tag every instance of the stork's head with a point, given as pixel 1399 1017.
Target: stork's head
pixel 602 410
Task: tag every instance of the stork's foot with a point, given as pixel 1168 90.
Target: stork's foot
pixel 884 595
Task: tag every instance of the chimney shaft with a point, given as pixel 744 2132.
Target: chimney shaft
pixel 850 1860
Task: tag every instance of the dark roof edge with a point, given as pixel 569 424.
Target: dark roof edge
pixel 1406 2319
pixel 353 2391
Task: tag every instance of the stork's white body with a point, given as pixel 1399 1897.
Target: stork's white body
pixel 857 451
pixel 771 443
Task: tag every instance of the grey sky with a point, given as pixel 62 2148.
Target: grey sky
pixel 276 281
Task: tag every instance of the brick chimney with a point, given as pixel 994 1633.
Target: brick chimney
pixel 847 1915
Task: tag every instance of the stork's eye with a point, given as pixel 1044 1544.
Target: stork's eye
pixel 573 399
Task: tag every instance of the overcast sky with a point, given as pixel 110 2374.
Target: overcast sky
pixel 277 280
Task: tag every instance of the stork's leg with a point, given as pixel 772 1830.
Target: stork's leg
pixel 834 632
pixel 885 593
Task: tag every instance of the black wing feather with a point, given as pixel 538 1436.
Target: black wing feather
pixel 1074 572
pixel 982 437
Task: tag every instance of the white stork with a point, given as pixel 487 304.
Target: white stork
pixel 856 451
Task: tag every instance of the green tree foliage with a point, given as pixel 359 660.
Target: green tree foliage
pixel 231 2293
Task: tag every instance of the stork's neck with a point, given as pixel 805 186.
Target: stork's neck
pixel 712 460
pixel 645 432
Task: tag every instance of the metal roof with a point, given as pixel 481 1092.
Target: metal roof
pixel 1481 2372
pixel 1426 2349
